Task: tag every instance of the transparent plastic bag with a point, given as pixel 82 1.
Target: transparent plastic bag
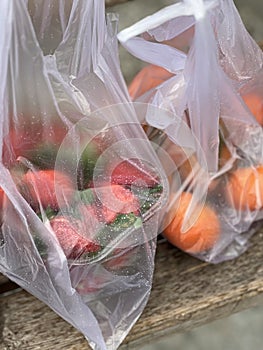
pixel 216 90
pixel 81 189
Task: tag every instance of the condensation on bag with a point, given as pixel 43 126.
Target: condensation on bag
pixel 206 70
pixel 81 189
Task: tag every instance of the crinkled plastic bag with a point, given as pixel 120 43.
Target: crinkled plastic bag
pixel 215 92
pixel 81 189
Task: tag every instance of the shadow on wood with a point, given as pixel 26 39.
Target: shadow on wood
pixel 186 293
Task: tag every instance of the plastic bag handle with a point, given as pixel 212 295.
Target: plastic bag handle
pixel 159 54
pixel 180 9
pixel 162 55
pixel 154 53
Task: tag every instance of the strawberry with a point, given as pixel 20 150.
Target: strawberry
pixel 51 188
pixel 73 244
pixel 93 283
pixel 121 258
pixel 2 195
pixel 94 206
pixel 24 140
pixel 117 199
pixel 89 219
pixel 16 144
pixel 130 172
pixel 106 214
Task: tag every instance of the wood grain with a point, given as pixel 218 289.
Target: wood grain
pixel 186 293
pixel 109 3
pixel 3 280
pixel 6 285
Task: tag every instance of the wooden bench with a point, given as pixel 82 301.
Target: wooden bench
pixel 186 293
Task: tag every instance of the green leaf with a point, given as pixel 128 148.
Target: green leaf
pixel 40 245
pixel 86 196
pixel 122 222
pixel 148 196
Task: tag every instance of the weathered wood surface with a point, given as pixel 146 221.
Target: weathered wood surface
pixel 6 285
pixel 109 3
pixel 3 280
pixel 186 293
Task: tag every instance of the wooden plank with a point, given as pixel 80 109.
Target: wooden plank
pixel 192 293
pixel 186 293
pixel 114 2
pixel 6 285
pixel 3 279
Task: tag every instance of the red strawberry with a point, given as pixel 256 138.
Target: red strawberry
pixel 22 141
pixel 54 133
pixel 51 188
pixel 16 144
pixel 2 195
pixel 107 215
pixel 117 199
pixel 73 244
pixel 98 211
pixel 120 258
pixel 130 172
pixel 93 284
pixel 89 219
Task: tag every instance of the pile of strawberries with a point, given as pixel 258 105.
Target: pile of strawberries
pixel 77 210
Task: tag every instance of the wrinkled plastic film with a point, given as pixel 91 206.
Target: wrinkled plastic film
pixel 240 56
pixel 72 149
pixel 218 97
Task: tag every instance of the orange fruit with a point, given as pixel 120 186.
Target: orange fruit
pixel 184 162
pixel 244 189
pixel 224 155
pixel 149 77
pixel 201 235
pixel 255 104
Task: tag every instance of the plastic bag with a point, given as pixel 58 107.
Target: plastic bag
pixel 81 189
pixel 215 91
pixel 149 77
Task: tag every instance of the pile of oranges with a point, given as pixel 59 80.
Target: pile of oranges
pixel 242 186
